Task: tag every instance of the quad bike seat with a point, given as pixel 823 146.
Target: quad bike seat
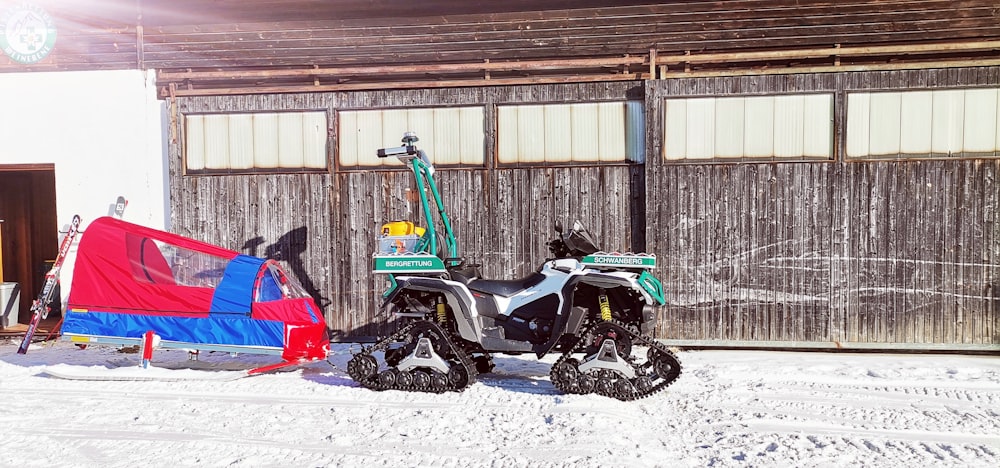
pixel 505 288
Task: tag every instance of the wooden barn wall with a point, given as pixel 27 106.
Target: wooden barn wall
pixel 326 225
pixel 903 252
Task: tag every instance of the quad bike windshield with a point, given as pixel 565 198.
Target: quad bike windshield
pixel 576 242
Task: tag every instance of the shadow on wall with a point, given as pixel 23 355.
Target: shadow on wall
pixel 290 249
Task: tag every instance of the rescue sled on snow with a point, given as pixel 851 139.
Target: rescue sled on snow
pixel 129 280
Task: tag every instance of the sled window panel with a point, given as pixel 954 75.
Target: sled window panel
pixel 939 123
pixel 249 142
pixel 449 135
pixel 160 263
pixel 570 133
pixel 748 127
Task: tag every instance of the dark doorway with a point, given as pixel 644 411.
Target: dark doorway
pixel 28 233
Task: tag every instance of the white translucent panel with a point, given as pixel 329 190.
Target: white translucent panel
pixel 586 141
pixel 997 143
pixel 447 141
pixel 858 113
pixel 194 142
pixel 817 125
pixel 347 138
pixel 788 125
pixel 265 140
pixel 729 128
pixel 948 114
pixel 558 134
pixel 421 122
pixel 314 133
pixel 370 138
pixel 241 141
pixel 216 141
pixel 611 129
pixel 700 128
pixel 980 120
pixel 507 134
pixel 290 139
pixel 915 122
pixel 758 127
pixel 635 131
pixel 675 129
pixel 394 123
pixel 530 138
pixel 883 138
pixel 472 134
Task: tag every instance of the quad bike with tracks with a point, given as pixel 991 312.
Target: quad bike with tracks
pixel 594 308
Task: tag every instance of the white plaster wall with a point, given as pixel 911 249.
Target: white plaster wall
pixel 105 133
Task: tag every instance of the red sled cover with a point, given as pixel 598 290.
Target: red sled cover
pixel 129 279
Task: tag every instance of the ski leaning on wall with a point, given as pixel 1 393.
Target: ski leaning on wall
pixel 40 307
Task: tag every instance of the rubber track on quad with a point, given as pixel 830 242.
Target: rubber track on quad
pixel 380 381
pixel 618 387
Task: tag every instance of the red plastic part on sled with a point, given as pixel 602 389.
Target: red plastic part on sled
pixel 305 342
pixel 149 341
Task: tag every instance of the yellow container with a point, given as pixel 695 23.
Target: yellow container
pixel 401 228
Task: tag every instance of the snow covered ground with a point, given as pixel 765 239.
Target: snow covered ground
pixel 729 408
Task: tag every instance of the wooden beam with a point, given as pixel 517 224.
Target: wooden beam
pixel 828 52
pixel 479 82
pixel 833 68
pixel 520 65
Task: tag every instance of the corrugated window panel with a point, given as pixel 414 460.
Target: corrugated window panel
pixel 858 124
pixel 700 128
pixel 392 125
pixel 370 138
pixel 241 141
pixel 290 140
pixel 265 138
pixel 585 142
pixel 884 126
pixel 788 139
pixel 758 127
pixel 915 128
pixel 216 141
pixel 997 143
pixel 948 117
pixel 194 142
pixel 507 134
pixel 347 138
pixel 675 129
pixel 729 128
pixel 446 143
pixel 980 121
pixel 472 135
pixel 421 122
pixel 558 131
pixel 530 138
pixel 314 133
pixel 611 128
pixel 635 131
pixel 817 121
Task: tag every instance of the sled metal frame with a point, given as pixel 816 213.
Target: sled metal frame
pixel 166 344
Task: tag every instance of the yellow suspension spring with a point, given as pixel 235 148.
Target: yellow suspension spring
pixel 602 299
pixel 442 313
